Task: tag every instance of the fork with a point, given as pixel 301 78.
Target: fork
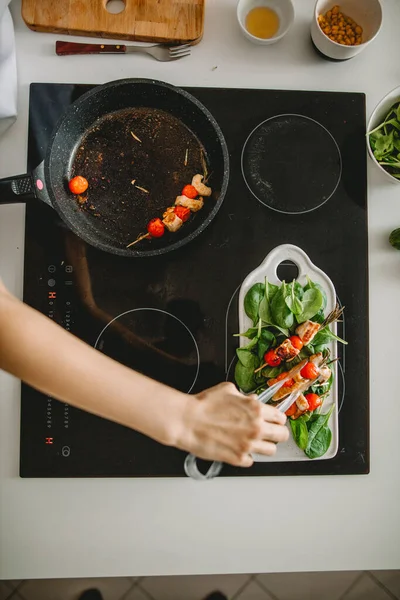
pixel 161 53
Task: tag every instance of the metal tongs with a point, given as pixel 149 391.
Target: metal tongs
pixel 190 465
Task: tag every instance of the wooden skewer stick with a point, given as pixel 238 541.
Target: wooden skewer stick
pixel 139 239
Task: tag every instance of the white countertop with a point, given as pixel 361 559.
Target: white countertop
pixel 111 527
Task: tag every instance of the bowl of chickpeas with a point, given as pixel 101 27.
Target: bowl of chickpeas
pixel 340 31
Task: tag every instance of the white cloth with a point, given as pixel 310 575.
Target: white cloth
pixel 8 69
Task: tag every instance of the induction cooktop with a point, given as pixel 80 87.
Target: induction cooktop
pixel 173 316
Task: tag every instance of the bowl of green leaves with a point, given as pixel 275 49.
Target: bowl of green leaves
pixel 384 135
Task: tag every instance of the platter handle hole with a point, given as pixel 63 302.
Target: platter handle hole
pixel 115 6
pixel 287 270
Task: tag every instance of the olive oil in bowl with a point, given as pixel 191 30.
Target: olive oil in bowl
pixel 262 22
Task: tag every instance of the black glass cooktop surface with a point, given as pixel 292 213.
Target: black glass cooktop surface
pixel 173 317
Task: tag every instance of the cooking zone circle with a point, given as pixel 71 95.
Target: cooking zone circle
pixel 154 342
pixel 291 163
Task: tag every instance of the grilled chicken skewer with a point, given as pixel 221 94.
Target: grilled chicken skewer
pixel 191 200
pixel 305 333
pixel 296 383
pixel 300 382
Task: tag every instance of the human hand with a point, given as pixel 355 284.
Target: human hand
pixel 224 425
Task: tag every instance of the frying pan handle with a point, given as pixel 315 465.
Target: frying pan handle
pixel 21 188
pixel 18 188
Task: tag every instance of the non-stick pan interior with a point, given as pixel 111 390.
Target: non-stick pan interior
pixel 105 224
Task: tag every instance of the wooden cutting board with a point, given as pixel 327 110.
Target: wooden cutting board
pixel 172 21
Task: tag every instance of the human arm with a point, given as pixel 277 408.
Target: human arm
pixel 218 424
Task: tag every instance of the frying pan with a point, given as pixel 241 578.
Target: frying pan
pixel 92 123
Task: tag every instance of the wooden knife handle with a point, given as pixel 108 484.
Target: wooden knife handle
pixel 65 48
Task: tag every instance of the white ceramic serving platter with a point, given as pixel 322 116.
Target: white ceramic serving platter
pixel 289 452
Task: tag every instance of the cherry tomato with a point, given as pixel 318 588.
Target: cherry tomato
pixel 78 185
pixel 272 359
pixel 156 228
pixel 313 401
pixel 292 410
pixel 309 371
pixel 287 383
pixel 182 212
pixel 296 342
pixel 190 191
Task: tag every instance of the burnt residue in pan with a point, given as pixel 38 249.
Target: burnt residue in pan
pixel 136 162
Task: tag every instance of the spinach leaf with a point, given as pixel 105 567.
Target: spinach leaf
pixel 245 355
pixel 313 417
pixel 306 417
pixel 284 332
pixel 259 378
pixel 298 289
pixel 271 289
pixel 266 341
pixel 281 313
pixel 384 141
pixel 393 163
pixel 299 432
pixel 319 348
pixel 250 333
pixel 292 300
pixel 337 338
pixel 244 376
pixel 265 309
pixel 313 301
pixel 384 145
pixel 252 301
pixel 312 284
pixel 325 335
pixel 322 337
pixel 270 372
pixel 319 435
pixel 320 444
pixel 319 317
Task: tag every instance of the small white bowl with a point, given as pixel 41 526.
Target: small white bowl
pixel 366 13
pixel 284 10
pixel 377 117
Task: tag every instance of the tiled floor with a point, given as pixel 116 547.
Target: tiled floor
pixel 349 585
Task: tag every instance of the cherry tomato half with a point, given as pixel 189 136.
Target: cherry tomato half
pixel 78 185
pixel 292 410
pixel 314 401
pixel 182 212
pixel 272 359
pixel 296 342
pixel 309 371
pixel 156 228
pixel 190 191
